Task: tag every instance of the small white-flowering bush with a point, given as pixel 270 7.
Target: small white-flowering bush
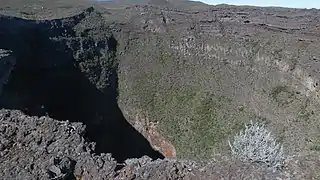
pixel 255 144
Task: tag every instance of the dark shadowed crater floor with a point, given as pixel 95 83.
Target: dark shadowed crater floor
pixel 53 67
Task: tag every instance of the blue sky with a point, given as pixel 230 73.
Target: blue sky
pixel 282 3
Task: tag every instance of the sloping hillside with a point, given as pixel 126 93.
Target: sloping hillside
pixel 198 76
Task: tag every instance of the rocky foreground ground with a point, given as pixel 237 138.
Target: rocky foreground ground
pixel 44 148
pixel 109 91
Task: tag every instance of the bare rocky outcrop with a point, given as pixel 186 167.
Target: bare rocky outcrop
pixel 44 148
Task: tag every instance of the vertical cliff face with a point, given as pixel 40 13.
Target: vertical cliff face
pixel 67 69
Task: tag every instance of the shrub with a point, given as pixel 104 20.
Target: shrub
pixel 255 144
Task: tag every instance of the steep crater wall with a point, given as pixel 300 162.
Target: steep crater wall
pixel 197 80
pixel 67 69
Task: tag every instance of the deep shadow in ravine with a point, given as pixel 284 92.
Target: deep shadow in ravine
pixel 47 80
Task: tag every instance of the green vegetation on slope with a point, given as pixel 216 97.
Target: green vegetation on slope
pixel 167 89
pixel 190 119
